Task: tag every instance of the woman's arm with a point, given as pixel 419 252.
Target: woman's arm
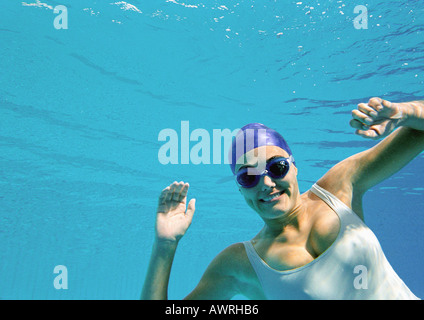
pixel 379 119
pixel 172 221
pixel 220 280
pixel 402 125
pixel 157 277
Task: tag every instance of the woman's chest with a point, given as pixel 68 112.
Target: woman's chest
pixel 297 248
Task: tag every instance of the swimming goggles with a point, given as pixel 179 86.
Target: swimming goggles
pixel 277 168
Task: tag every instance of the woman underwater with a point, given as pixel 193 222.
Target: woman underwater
pixel 313 245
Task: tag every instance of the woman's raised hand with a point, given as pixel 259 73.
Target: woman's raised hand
pixel 376 119
pixel 173 218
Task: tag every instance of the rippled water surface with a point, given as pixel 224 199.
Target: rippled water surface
pixel 81 110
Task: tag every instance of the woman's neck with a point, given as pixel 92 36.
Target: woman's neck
pixel 294 219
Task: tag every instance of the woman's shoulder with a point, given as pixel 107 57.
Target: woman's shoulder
pixel 234 259
pixel 237 265
pixel 233 252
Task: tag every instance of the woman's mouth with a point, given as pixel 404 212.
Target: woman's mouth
pixel 272 197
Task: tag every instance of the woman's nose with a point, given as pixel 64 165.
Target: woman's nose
pixel 268 182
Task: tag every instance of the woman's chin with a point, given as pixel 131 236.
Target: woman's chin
pixel 274 210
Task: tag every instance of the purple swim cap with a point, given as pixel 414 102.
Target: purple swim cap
pixel 251 136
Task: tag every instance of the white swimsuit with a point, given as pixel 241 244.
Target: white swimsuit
pixel 353 267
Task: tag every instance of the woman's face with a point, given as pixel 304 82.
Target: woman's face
pixel 263 197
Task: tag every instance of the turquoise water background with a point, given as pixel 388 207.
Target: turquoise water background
pixel 81 110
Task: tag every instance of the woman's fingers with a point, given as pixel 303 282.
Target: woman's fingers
pixel 385 109
pixel 369 134
pixel 163 195
pixel 367 110
pixel 176 196
pixel 184 191
pixel 191 207
pixel 170 192
pixel 376 103
pixel 356 124
pixel 375 119
pixel 362 117
pixel 376 111
pixel 177 191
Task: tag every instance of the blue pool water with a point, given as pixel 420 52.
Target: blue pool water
pixel 81 110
